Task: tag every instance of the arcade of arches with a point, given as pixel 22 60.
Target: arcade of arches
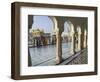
pixel 77 33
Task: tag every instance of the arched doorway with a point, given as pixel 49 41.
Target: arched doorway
pixel 44 40
pixel 72 35
pixel 67 40
pixel 58 40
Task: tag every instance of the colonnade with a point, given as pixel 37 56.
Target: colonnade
pixel 78 34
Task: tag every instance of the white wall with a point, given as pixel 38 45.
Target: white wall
pixel 5 40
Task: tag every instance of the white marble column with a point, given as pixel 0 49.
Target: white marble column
pixel 79 40
pixel 85 42
pixel 76 42
pixel 58 47
pixel 72 42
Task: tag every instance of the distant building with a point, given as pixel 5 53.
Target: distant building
pixel 37 33
pixel 39 38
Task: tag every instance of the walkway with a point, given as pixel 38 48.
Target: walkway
pixel 46 56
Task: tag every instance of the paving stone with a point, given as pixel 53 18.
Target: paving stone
pixel 46 56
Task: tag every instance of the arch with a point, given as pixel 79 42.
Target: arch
pixel 72 27
pixel 58 40
pixel 55 33
pixel 43 26
pixel 70 33
pixel 54 21
pixel 66 33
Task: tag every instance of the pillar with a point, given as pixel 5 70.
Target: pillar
pixel 29 58
pixel 82 37
pixel 79 39
pixel 85 42
pixel 72 42
pixel 30 21
pixel 76 42
pixel 58 47
pixel 59 27
pixel 79 42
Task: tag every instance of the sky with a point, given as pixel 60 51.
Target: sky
pixel 46 24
